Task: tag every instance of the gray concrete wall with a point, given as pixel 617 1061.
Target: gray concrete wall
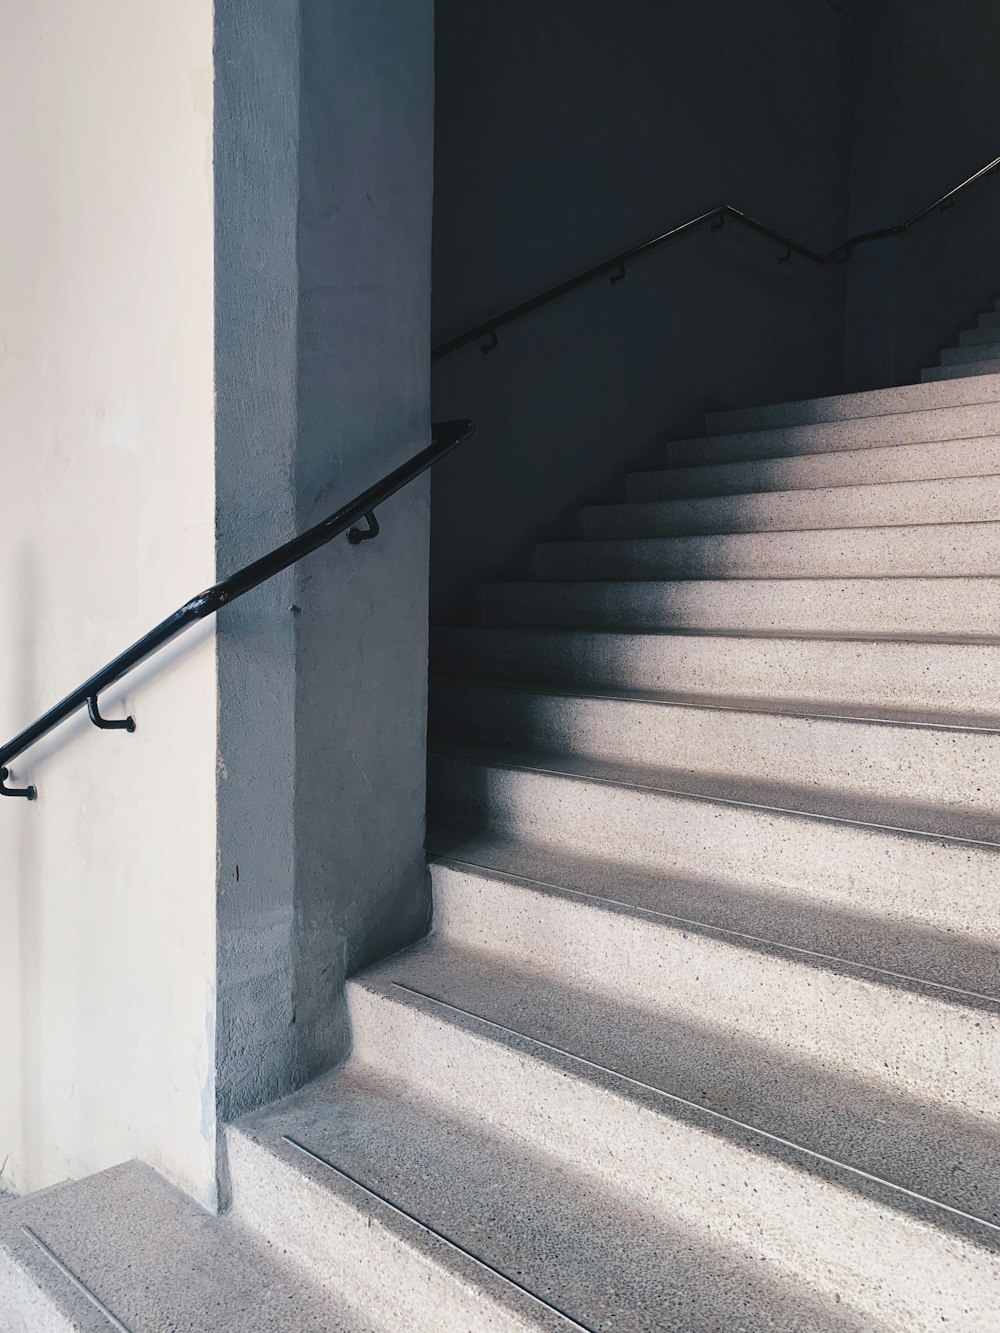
pixel 926 116
pixel 324 176
pixel 256 357
pixel 567 131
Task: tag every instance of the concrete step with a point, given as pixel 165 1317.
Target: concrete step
pixel 955 770
pixel 125 1250
pixel 828 1232
pixel 973 499
pixel 952 682
pixel 762 1033
pixel 945 550
pixel 684 825
pixel 442 1212
pixel 780 917
pixel 849 467
pixel 971 368
pixel 973 347
pixel 902 399
pixel 946 424
pixel 857 606
pixel 986 331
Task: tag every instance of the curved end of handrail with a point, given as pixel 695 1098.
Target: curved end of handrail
pixel 458 431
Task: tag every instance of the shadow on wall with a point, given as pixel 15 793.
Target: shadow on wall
pixel 593 384
pixel 559 143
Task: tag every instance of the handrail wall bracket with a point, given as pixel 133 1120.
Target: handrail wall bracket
pixel 446 436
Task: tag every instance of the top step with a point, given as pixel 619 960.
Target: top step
pixel 851 406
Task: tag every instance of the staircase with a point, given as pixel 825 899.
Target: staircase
pixel 706 1033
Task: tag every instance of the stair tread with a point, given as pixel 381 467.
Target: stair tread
pixel 156 1262
pixel 853 603
pixel 762 1089
pixel 540 1225
pixel 774 707
pixel 646 540
pixel 778 494
pixel 894 401
pixel 869 461
pixel 945 503
pixel 775 916
pixel 684 632
pixel 894 818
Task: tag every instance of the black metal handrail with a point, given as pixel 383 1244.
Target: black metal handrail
pixel 616 265
pixel 445 437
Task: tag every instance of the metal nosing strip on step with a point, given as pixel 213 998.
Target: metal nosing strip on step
pixel 432 1231
pixel 705 1111
pixel 77 1282
pixel 584 541
pixel 705 703
pixel 721 930
pixel 630 783
pixel 797 490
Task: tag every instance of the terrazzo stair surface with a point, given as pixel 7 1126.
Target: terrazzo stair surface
pixel 469 1222
pixel 967 550
pixel 924 679
pixel 705 1033
pixel 746 441
pixel 125 1250
pixel 799 606
pixel 955 769
pixel 847 467
pixel 972 346
pixel 977 354
pixel 715 838
pixel 964 371
pixel 939 502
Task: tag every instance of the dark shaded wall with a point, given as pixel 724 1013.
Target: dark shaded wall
pixel 567 131
pixel 926 116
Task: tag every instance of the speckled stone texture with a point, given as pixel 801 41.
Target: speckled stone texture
pixel 705 1035
pixel 952 372
pixel 124 1249
pixel 942 500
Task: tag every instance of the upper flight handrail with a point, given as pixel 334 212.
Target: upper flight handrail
pixel 445 437
pixel 716 217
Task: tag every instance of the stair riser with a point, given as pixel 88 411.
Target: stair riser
pixel 935 884
pixel 955 769
pixel 895 504
pixel 926 551
pixel 985 332
pixel 862 467
pixel 942 373
pixel 902 1041
pixel 341 1238
pixel 718 1188
pixel 942 424
pixel 788 607
pixel 908 399
pixel 938 677
pixel 977 349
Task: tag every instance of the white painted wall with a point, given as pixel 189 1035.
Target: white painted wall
pixel 107 883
